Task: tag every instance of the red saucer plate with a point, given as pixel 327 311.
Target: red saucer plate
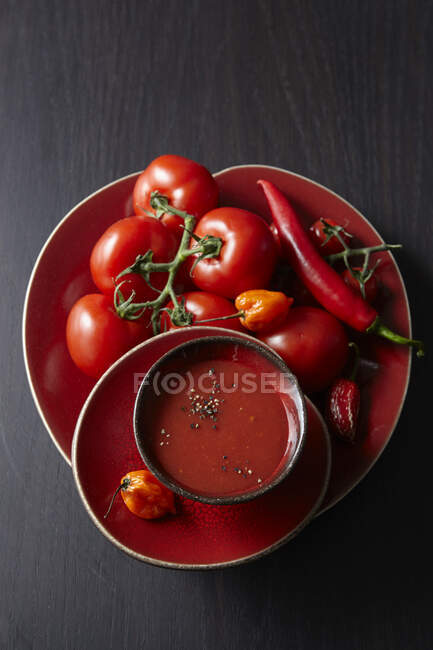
pixel 200 536
pixel 60 389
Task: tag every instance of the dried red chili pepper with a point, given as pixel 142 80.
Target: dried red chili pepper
pixel 343 404
pixel 144 495
pixel 319 277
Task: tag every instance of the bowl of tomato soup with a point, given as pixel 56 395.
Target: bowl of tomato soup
pixel 221 420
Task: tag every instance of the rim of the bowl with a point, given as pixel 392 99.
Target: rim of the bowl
pixel 176 565
pixel 216 174
pixel 277 362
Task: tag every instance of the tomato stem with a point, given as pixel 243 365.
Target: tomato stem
pixel 361 276
pixel 206 247
pixel 357 252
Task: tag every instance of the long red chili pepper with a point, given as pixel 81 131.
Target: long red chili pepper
pixel 319 277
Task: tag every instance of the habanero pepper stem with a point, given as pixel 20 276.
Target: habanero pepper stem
pixel 319 277
pixel 123 486
pixel 239 314
pixel 208 246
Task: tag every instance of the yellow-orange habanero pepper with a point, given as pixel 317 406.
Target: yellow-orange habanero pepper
pixel 262 309
pixel 144 495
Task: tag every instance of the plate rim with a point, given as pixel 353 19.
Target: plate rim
pixel 68 215
pixel 176 565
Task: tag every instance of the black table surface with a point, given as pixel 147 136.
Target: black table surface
pixel 340 91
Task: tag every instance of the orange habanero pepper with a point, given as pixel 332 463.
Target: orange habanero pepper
pixel 262 309
pixel 144 495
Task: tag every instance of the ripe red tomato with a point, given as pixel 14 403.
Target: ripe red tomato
pixel 371 286
pixel 318 237
pixel 119 246
pixel 248 254
pixel 313 344
pixel 205 305
pixel 188 186
pixel 96 337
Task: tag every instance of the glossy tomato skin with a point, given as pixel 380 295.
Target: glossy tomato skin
pixel 118 247
pixel 248 254
pixel 313 344
pixel 188 186
pixel 204 305
pixel 96 337
pixel 319 237
pixel 277 240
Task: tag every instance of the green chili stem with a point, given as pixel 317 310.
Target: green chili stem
pixel 377 327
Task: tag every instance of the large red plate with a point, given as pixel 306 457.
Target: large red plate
pixel 200 536
pixel 61 275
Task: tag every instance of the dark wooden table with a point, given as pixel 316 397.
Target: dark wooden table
pixel 339 91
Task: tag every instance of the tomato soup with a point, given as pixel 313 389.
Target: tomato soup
pixel 217 423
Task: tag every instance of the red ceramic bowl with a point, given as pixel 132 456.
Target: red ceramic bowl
pixel 200 535
pixel 212 348
pixel 60 389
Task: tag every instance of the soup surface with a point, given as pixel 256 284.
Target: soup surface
pixel 219 427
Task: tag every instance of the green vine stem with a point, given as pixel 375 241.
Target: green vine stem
pixel 206 247
pixel 361 276
pixel 357 252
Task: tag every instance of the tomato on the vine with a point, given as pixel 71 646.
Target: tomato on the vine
pixel 314 345
pixel 96 336
pixel 319 237
pixel 370 287
pixel 248 253
pixel 204 305
pixel 188 186
pixel 117 249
